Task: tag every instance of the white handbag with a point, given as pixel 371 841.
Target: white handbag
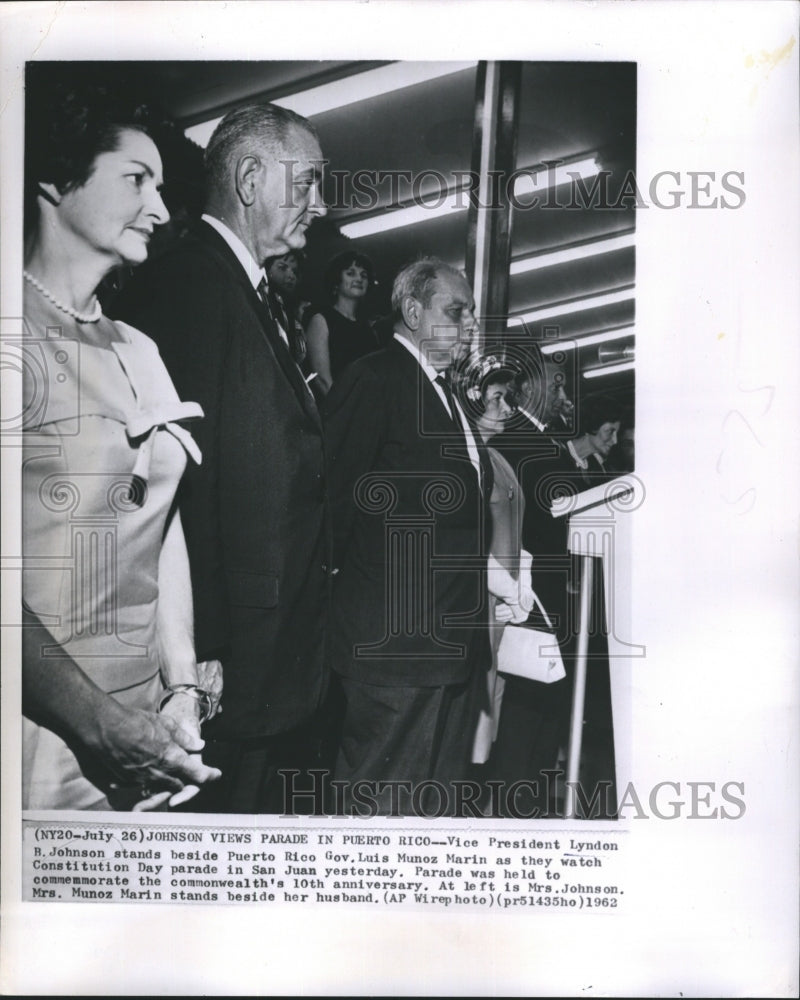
pixel 531 653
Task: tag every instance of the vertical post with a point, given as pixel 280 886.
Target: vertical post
pixel 494 155
pixel 579 689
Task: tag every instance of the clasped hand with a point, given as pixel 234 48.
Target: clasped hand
pixel 183 710
pixel 160 753
pixel 515 612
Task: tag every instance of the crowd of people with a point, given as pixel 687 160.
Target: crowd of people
pixel 262 538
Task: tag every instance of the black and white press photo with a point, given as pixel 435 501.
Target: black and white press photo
pixel 399 496
pixel 310 351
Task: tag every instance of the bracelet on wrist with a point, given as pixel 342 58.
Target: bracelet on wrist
pixel 200 695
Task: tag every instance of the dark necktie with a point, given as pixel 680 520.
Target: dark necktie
pixel 280 341
pixel 278 311
pixel 487 473
pixel 297 344
pixel 443 379
pixel 264 294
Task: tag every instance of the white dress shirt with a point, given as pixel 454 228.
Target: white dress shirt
pixel 534 420
pixel 580 462
pixel 432 374
pixel 255 273
pixel 242 254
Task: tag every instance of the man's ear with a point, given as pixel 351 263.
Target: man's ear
pixel 248 170
pixel 411 310
pixel 49 192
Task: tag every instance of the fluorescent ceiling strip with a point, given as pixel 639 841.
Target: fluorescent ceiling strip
pixel 575 306
pixel 593 338
pixel 349 90
pixel 623 366
pixel 568 254
pixel 455 201
pixel 458 201
pixel 565 173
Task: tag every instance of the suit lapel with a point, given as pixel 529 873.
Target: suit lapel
pixel 269 331
pixel 433 412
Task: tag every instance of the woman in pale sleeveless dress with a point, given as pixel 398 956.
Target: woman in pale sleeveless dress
pixel 112 695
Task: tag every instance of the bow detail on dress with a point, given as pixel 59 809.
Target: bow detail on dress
pixel 143 423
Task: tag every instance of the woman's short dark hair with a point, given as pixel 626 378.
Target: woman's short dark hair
pixel 298 255
pixel 596 410
pixel 341 262
pixel 68 127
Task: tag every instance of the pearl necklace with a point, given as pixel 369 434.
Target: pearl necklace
pixel 91 317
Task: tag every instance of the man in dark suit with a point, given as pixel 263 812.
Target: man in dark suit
pixel 534 717
pixel 533 441
pixel 255 511
pixel 543 404
pixel 407 486
pixel 549 465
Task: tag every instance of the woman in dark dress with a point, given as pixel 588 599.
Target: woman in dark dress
pixel 338 334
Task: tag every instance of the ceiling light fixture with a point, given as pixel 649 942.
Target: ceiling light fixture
pixel 618 333
pixel 424 211
pixel 578 251
pixel 349 90
pixel 540 179
pixel 574 306
pixel 557 173
pixel 624 366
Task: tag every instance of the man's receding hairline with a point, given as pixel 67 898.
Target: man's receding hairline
pixel 301 131
pixel 448 271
